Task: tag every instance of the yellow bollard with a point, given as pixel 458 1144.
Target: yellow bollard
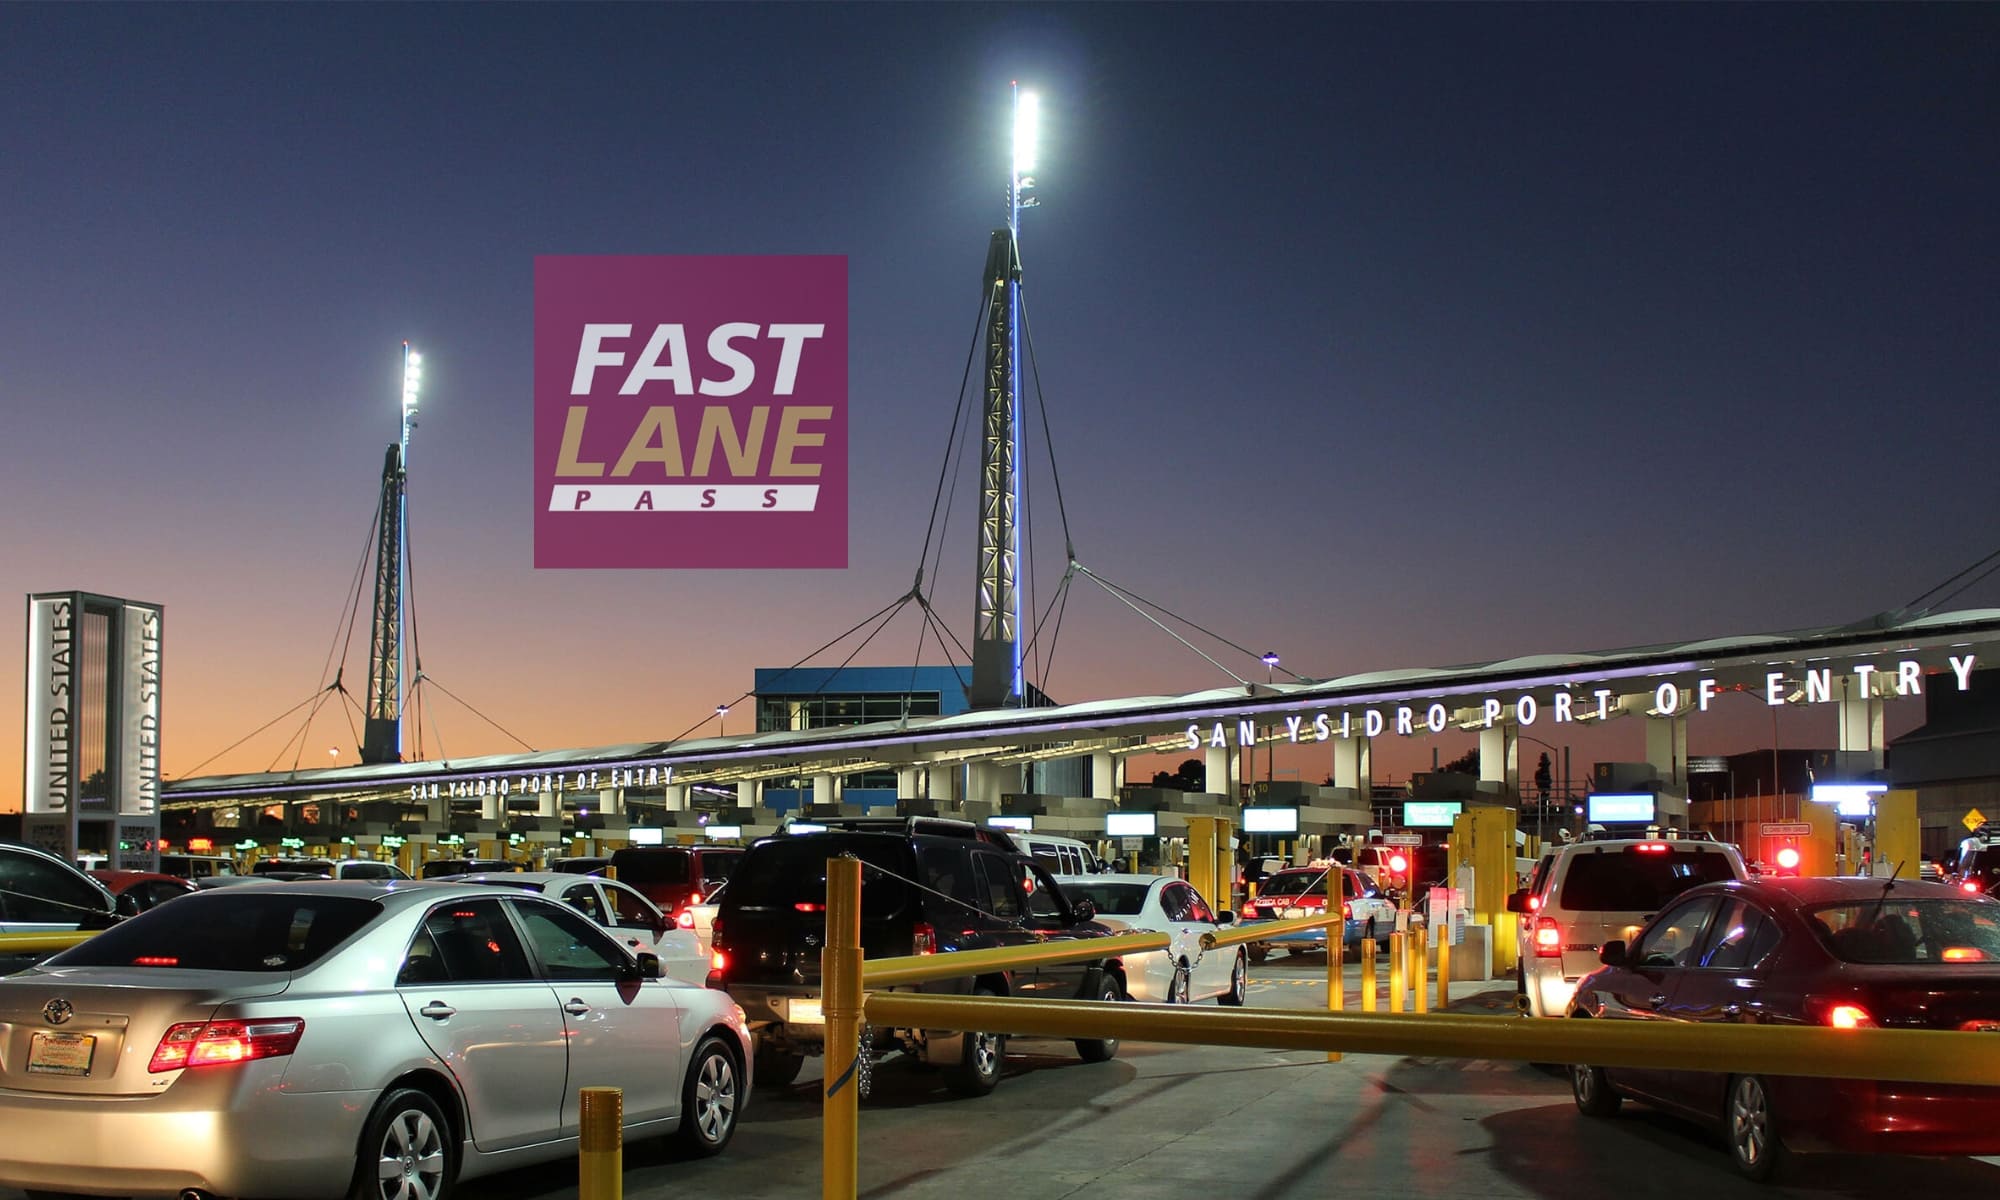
pixel 1444 973
pixel 1368 975
pixel 600 1156
pixel 1397 952
pixel 1336 978
pixel 840 982
pixel 1420 967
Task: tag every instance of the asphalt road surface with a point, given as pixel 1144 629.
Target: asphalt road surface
pixel 1186 1121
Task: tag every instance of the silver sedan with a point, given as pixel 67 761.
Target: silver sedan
pixel 348 1039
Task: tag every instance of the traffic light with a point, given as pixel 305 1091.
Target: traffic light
pixel 1788 859
pixel 1398 877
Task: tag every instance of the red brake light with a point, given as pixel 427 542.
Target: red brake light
pixel 685 920
pixel 718 961
pixel 1534 904
pixel 1963 954
pixel 923 939
pixel 1651 847
pixel 1548 938
pixel 808 906
pixel 213 1043
pixel 1839 1014
pixel 156 960
pixel 694 898
pixel 1970 886
pixel 1346 910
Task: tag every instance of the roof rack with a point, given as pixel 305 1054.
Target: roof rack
pixel 1598 833
pixel 938 826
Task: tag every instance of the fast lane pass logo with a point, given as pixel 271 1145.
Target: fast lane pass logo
pixel 691 411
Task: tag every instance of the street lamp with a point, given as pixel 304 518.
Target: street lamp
pixel 721 717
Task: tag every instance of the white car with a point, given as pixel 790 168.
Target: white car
pixel 619 910
pixel 699 919
pixel 1184 974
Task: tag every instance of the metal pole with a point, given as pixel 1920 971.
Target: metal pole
pixel 1336 974
pixel 1444 967
pixel 1397 983
pixel 840 973
pixel 600 1152
pixel 1368 975
pixel 1420 967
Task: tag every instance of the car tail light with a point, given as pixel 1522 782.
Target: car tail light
pixel 1651 847
pixel 1534 904
pixel 1548 938
pixel 694 898
pixel 809 906
pixel 215 1043
pixel 1970 886
pixel 1836 1013
pixel 1346 910
pixel 718 960
pixel 685 920
pixel 1963 954
pixel 923 939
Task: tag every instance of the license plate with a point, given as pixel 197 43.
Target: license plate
pixel 61 1054
pixel 804 1012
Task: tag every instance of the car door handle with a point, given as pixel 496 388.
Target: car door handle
pixel 1656 1001
pixel 437 1010
pixel 1732 1011
pixel 576 1007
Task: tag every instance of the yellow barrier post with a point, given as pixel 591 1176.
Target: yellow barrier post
pixel 1336 977
pixel 1368 975
pixel 600 1152
pixel 1444 970
pixel 1420 967
pixel 1202 838
pixel 1396 964
pixel 840 976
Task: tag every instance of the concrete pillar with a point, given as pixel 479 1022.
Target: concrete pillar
pixel 822 790
pixel 1217 771
pixel 1896 834
pixel 1352 769
pixel 1103 775
pixel 437 809
pixel 676 797
pixel 746 793
pixel 489 807
pixel 908 782
pixel 1860 721
pixel 547 803
pixel 1500 759
pixel 610 801
pixel 1667 750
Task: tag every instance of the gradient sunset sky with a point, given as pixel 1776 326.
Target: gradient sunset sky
pixel 1383 336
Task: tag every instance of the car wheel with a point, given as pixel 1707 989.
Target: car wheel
pixel 709 1100
pixel 405 1151
pixel 1239 985
pixel 1752 1129
pixel 1594 1096
pixel 776 1068
pixel 978 1069
pixel 1102 1049
pixel 1258 954
pixel 1178 988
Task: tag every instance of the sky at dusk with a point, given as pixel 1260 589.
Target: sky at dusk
pixel 1386 336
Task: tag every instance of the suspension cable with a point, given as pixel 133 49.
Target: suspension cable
pixel 1183 620
pixel 475 712
pixel 1105 584
pixel 253 733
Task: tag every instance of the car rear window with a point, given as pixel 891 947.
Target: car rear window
pixel 1982 865
pixel 790 872
pixel 1295 883
pixel 1111 899
pixel 652 866
pixel 241 929
pixel 1635 880
pixel 1910 932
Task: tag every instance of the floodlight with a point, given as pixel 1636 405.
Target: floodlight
pixel 1027 127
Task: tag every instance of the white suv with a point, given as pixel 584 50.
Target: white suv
pixel 1597 890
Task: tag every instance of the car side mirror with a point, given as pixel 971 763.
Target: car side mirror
pixel 1225 917
pixel 128 905
pixel 649 965
pixel 1611 954
pixel 1518 902
pixel 1083 910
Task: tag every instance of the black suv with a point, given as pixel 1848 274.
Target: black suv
pixel 927 886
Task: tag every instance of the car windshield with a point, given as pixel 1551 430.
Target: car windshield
pixel 1637 880
pixel 240 929
pixel 654 866
pixel 1909 932
pixel 1111 899
pixel 1295 883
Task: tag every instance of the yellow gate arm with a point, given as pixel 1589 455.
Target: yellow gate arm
pixel 952 964
pixel 16 942
pixel 1236 935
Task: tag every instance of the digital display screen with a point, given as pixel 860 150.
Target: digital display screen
pixel 1849 799
pixel 1620 808
pixel 1130 824
pixel 1431 814
pixel 724 833
pixel 640 836
pixel 1010 823
pixel 1270 820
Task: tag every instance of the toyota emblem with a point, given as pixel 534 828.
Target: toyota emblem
pixel 57 1012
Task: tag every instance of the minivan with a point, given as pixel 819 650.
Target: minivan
pixel 674 877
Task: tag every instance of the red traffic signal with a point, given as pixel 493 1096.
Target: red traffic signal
pixel 1398 864
pixel 1788 860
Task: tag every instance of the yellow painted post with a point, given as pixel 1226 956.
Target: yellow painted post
pixel 1420 967
pixel 1201 843
pixel 600 1151
pixel 1336 975
pixel 1444 970
pixel 1396 983
pixel 1225 865
pixel 1817 851
pixel 1368 975
pixel 1483 838
pixel 1897 841
pixel 1132 862
pixel 840 979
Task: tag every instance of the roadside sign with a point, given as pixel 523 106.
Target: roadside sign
pixel 1787 829
pixel 1403 839
pixel 1973 820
